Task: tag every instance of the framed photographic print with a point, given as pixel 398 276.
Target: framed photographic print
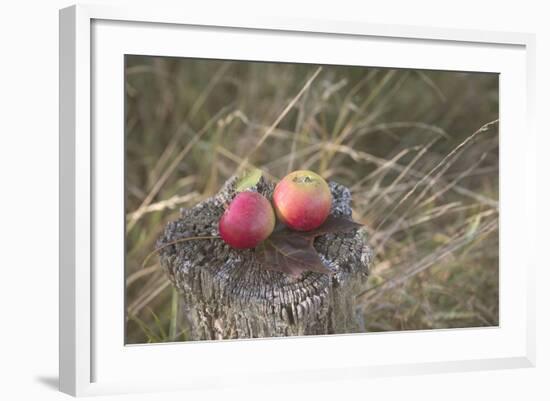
pixel 241 194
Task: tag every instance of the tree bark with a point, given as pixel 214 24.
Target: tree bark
pixel 228 295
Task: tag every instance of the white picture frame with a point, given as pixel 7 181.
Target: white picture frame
pixel 93 358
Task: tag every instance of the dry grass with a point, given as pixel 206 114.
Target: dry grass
pixel 419 149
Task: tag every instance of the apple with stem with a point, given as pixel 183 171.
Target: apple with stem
pixel 302 200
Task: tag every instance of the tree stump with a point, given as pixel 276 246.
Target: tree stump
pixel 228 295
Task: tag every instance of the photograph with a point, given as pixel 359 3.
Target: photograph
pixel 270 199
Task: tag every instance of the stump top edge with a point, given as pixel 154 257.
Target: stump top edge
pixel 237 274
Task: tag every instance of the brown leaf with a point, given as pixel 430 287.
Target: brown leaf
pixel 333 224
pixel 292 252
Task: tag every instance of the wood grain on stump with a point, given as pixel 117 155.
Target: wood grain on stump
pixel 227 294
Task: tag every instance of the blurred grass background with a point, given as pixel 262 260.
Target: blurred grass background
pixel 418 149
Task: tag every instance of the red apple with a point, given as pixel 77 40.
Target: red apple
pixel 302 200
pixel 248 220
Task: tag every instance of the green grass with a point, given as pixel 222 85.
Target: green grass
pixel 424 177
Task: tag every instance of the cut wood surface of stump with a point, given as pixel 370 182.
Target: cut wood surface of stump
pixel 228 294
